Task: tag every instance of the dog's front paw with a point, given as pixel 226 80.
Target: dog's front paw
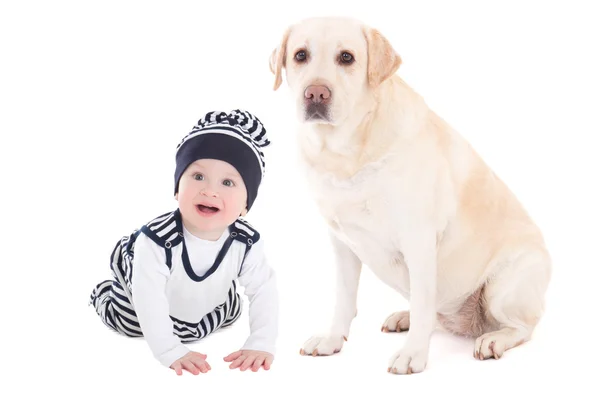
pixel 323 345
pixel 409 360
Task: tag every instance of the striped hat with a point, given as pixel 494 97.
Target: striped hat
pixel 236 138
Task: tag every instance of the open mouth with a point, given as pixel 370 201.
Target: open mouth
pixel 204 209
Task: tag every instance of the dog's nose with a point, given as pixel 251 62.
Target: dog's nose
pixel 317 94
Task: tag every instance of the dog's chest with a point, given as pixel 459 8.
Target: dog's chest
pixel 360 211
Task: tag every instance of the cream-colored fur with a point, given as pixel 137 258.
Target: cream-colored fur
pixel 406 195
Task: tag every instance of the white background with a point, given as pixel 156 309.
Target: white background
pixel 96 95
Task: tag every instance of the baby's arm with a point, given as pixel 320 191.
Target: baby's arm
pixel 149 279
pixel 259 282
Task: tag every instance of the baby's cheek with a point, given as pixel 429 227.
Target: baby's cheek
pixel 236 201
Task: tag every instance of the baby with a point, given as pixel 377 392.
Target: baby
pixel 175 277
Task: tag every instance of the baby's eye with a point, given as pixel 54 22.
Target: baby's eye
pixel 228 182
pixel 198 177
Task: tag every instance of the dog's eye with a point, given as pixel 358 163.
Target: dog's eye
pixel 346 58
pixel 300 56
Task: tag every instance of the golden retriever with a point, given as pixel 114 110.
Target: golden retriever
pixel 405 194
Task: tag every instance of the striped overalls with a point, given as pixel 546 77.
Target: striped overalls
pixel 112 299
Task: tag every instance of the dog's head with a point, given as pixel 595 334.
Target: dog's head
pixel 330 65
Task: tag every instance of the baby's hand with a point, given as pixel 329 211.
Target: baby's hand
pixel 192 362
pixel 249 358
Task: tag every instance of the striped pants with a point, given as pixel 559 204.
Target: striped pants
pixel 112 301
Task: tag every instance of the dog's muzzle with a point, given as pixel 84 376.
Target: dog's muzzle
pixel 317 99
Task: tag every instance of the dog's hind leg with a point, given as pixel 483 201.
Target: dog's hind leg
pixel 515 304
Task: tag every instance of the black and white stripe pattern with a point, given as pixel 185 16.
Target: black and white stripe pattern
pixel 112 298
pixel 165 230
pixel 222 316
pixel 238 123
pixel 249 123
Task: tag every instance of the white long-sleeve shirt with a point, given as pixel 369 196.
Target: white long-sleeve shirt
pixel 158 293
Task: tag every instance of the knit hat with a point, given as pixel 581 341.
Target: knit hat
pixel 236 138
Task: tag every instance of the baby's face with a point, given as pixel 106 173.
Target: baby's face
pixel 211 196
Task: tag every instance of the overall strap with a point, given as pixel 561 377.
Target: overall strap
pixel 166 231
pixel 243 232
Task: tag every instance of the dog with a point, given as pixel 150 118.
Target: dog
pixel 405 194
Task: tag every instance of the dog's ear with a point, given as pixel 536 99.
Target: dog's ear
pixel 383 61
pixel 277 59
